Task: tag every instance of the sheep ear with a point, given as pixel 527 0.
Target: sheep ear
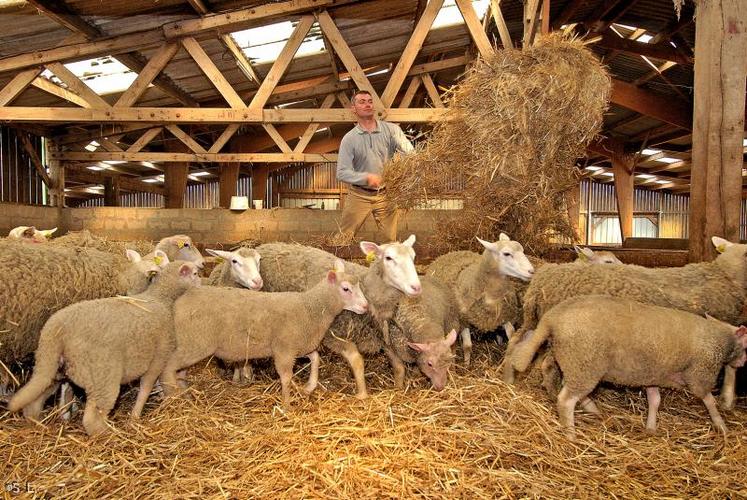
pixel 185 270
pixel 339 266
pixel 332 277
pixel 451 337
pixel 369 248
pixel 504 237
pixel 29 232
pixel 48 232
pixel 220 254
pixel 741 331
pixel 487 244
pixel 721 244
pixel 588 253
pixel 418 347
pixel 133 256
pixel 410 241
pixel 160 258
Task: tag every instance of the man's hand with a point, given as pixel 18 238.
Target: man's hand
pixel 374 180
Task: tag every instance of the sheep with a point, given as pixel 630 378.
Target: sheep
pixel 634 344
pixel 239 268
pixel 87 239
pixel 598 257
pixel 486 297
pixel 250 325
pixel 390 277
pixel 29 234
pixel 103 343
pixel 180 247
pixel 716 288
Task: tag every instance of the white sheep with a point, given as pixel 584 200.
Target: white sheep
pixel 240 268
pixel 30 234
pixel 599 338
pixel 586 254
pixel 235 325
pixel 103 343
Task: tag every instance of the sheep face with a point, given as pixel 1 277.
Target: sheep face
pixel 182 248
pixel 398 261
pixel 592 257
pixel 434 359
pixel 348 287
pixel 29 234
pixel 244 266
pixel 509 258
pixel 732 259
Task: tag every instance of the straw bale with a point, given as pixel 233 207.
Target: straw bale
pixel 479 438
pixel 86 239
pixel 518 122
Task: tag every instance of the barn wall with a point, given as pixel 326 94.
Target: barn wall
pixel 14 215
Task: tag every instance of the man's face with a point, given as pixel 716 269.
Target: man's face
pixel 363 106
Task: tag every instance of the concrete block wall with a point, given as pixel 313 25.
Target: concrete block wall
pixel 14 215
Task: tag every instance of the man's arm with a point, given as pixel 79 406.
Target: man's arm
pixel 345 170
pixel 401 143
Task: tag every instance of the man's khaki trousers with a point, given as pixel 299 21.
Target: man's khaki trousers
pixel 359 204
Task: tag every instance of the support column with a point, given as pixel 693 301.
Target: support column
pixel 259 183
pixel 718 124
pixel 229 177
pixel 622 167
pixel 111 191
pixel 175 182
pixel 57 176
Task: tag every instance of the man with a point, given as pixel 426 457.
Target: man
pixel 363 153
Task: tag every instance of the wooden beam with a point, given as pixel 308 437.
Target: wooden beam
pixel 410 92
pixel 17 85
pixel 622 167
pixel 346 56
pixel 102 131
pixel 530 21
pixel 224 138
pixel 244 64
pixel 151 70
pixel 276 137
pixel 500 23
pixel 430 87
pixel 411 52
pixel 662 50
pixel 312 128
pixel 484 47
pixel 52 88
pixel 545 28
pixel 198 6
pixel 259 183
pixel 331 53
pixel 185 138
pixel 76 85
pixel 213 73
pixel 664 108
pixel 208 115
pixel 282 62
pixel 192 157
pixel 111 191
pixel 83 174
pixel 144 139
pixel 35 159
pixel 569 10
pixel 227 180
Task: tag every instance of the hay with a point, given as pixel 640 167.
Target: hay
pixel 478 439
pixel 86 239
pixel 519 120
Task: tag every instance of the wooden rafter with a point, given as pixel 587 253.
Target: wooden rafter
pixel 212 73
pixel 35 160
pixel 530 21
pixel 500 22
pixel 52 88
pixel 484 46
pixel 313 127
pixel 83 174
pixel 430 87
pixel 185 138
pixel 410 92
pixel 146 76
pixel 76 85
pixel 661 50
pixel 664 108
pixel 276 137
pixel 223 138
pixel 17 85
pixel 193 157
pixel 144 139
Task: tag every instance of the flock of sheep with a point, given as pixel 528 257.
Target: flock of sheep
pixel 105 318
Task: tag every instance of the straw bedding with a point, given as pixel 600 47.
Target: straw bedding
pixel 518 122
pixel 477 439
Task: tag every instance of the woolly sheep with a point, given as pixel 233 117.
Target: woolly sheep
pixel 716 288
pixel 634 344
pixel 103 343
pixel 250 325
pixel 180 247
pixel 485 296
pixel 588 255
pixel 85 238
pixel 30 234
pixel 391 276
pixel 239 268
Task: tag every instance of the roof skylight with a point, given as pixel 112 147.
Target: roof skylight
pixel 449 14
pixel 104 75
pixel 264 43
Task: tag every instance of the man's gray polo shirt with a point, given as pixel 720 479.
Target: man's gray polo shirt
pixel 362 152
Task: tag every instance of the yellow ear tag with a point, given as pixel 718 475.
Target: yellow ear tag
pixel 582 256
pixel 370 257
pixel 180 244
pixel 721 248
pixel 158 259
pixel 219 260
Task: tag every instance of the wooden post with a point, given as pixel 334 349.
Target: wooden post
pixel 229 177
pixel 175 182
pixel 259 183
pixel 572 201
pixel 622 167
pixel 111 191
pixel 718 124
pixel 57 176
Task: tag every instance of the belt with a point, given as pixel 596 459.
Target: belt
pixel 368 190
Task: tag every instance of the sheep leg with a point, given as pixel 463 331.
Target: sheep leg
pixel 509 329
pixel 589 406
pixel 34 409
pixel 284 367
pixel 710 403
pixel 551 376
pixel 727 388
pixel 508 373
pixel 146 385
pixel 350 352
pixel 313 373
pixel 98 405
pixel 566 405
pixel 466 339
pixel 169 380
pixel 654 398
pixel 181 377
pixel 398 367
pixel 243 373
pixel 65 401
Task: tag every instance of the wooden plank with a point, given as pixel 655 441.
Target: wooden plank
pixel 622 167
pixel 282 62
pixel 191 157
pixel 411 51
pixel 17 85
pixel 213 73
pixel 103 131
pixel 346 56
pixel 500 22
pixel 224 138
pixel 205 115
pixel 240 19
pixel 276 137
pixel 430 87
pixel 344 99
pixel 52 88
pixel 109 144
pixel 244 64
pixel 484 47
pixel 312 128
pixel 185 138
pixel 80 172
pixel 35 159
pixel 76 85
pixel 661 50
pixel 144 139
pixel 198 6
pixel 227 180
pixel 530 21
pixel 331 53
pixel 151 70
pixel 545 28
pixel 567 13
pixel 412 88
pixel 664 108
pixel 175 183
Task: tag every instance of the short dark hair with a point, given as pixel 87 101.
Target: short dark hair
pixel 359 91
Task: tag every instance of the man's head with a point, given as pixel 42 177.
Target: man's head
pixel 362 104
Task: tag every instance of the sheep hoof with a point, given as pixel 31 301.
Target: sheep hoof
pixel 308 389
pixel 361 395
pixel 727 403
pixel 651 431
